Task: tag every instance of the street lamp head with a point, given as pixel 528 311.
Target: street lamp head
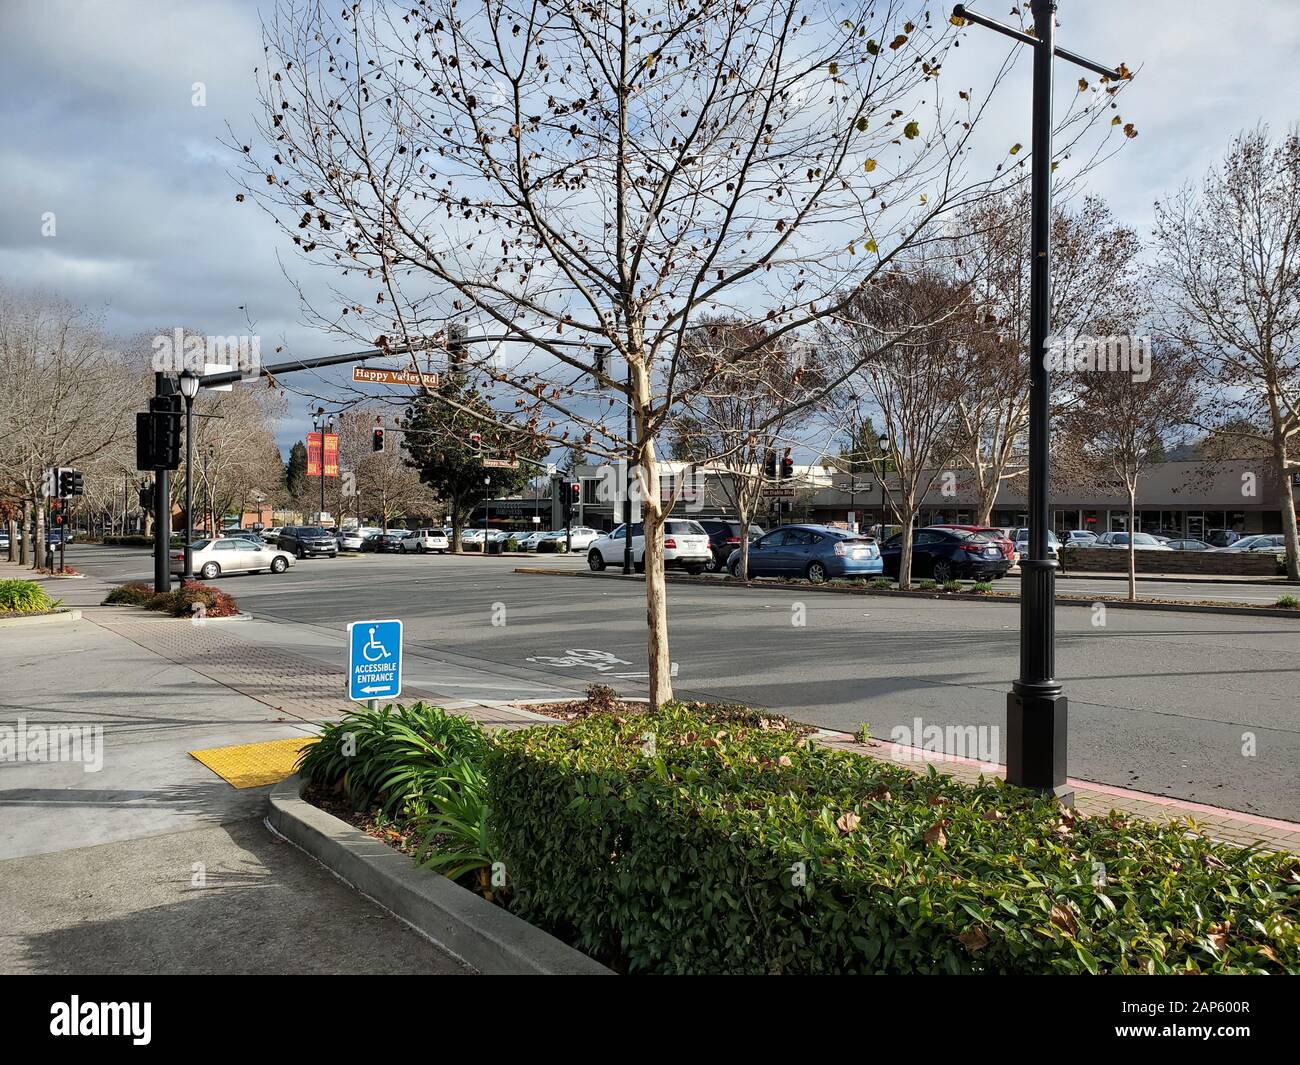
pixel 189 384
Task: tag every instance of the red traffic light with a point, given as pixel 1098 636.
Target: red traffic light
pixel 575 491
pixel 787 465
pixel 476 443
pixel 379 440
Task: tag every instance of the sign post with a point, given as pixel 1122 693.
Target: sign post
pixel 374 660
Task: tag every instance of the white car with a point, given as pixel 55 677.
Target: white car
pixel 1141 541
pixel 686 546
pixel 231 554
pixel 423 541
pixel 352 539
pixel 528 542
pixel 1266 543
pixel 583 536
pixel 471 536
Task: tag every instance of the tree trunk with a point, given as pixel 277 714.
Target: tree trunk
pixel 652 518
pixel 25 548
pixel 1287 493
pixel 1132 547
pixel 905 547
pixel 38 535
pixel 13 540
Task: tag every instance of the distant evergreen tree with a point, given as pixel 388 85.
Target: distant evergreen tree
pixel 295 470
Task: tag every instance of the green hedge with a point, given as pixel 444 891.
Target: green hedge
pixel 684 861
pixel 555 547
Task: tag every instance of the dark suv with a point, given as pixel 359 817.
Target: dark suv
pixel 307 540
pixel 724 538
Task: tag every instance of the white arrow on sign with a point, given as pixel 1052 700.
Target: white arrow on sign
pixel 373 690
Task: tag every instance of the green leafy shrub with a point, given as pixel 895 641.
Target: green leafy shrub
pixel 392 758
pixel 1289 601
pixel 881 583
pixel 133 593
pixel 23 597
pixel 982 587
pixel 862 733
pixel 550 547
pixel 733 849
pixel 952 586
pixel 928 585
pixel 512 544
pixel 455 826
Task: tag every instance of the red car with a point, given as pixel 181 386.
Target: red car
pixel 997 535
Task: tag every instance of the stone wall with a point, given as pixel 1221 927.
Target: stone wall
pixel 1114 560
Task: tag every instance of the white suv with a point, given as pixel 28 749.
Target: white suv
pixel 686 546
pixel 425 540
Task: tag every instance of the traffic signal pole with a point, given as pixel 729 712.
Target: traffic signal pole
pixel 162 510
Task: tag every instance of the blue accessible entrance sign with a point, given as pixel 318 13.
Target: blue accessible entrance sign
pixel 374 660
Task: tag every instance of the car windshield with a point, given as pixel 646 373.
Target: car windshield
pixel 199 545
pixel 1144 538
pixel 313 530
pixel 683 528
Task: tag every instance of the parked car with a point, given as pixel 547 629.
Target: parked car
pixel 371 541
pixel 946 555
pixel 993 533
pixel 1222 537
pixel 305 541
pixel 686 546
pixel 422 541
pixel 1141 541
pixel 1080 538
pixel 392 540
pixel 1021 537
pixel 583 537
pixel 272 535
pixel 1188 545
pixel 230 554
pixel 352 539
pixel 816 552
pixel 1267 543
pixel 724 538
pixel 528 541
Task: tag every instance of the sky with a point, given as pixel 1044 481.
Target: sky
pixel 99 127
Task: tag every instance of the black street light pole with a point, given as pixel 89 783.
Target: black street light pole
pixel 189 383
pixel 1037 709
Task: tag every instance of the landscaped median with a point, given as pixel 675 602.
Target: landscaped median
pixel 719 839
pixel 24 602
pixel 190 600
pixel 1286 606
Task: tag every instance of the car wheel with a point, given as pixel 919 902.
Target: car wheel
pixel 711 565
pixel 816 572
pixel 596 561
pixel 210 571
pixel 735 569
pixel 420 550
pixel 943 571
pixel 279 564
pixel 300 553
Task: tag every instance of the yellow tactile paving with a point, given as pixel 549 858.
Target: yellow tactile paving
pixel 250 765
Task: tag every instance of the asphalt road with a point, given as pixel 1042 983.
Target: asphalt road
pixel 1196 706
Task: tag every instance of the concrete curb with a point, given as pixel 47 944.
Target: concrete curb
pixel 41 619
pixel 965 597
pixel 492 940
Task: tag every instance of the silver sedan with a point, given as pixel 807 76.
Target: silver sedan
pixel 231 554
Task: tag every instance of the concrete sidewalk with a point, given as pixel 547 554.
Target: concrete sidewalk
pixel 137 858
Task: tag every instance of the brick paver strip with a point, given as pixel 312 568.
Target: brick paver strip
pixel 302 688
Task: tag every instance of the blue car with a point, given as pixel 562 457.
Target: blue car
pixel 817 552
pixel 947 554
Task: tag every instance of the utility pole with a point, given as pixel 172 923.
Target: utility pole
pixel 627 482
pixel 1037 709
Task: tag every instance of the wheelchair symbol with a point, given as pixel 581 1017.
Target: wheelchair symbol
pixel 374 651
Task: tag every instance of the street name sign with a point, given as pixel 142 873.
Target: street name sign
pixel 374 660
pixel 374 376
pixel 501 464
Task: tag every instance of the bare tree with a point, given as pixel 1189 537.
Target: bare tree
pixel 736 413
pixel 1229 269
pixel 65 395
pixel 915 384
pixel 593 178
pixel 1119 424
pixel 1094 283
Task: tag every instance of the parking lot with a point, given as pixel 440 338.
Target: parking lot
pixel 1159 702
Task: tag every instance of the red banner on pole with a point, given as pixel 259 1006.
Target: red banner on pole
pixel 313 454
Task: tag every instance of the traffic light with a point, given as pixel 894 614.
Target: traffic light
pixel 457 348
pixel 164 448
pixel 70 482
pixel 476 443
pixel 575 491
pixel 787 466
pixel 57 517
pixel 146 497
pixel 378 444
pixel 769 464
